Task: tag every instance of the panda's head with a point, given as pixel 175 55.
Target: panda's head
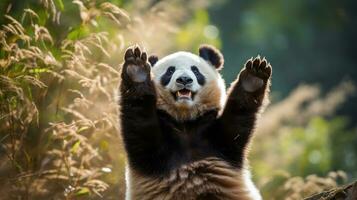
pixel 189 85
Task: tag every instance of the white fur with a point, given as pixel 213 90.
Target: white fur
pixel 182 61
pixel 127 183
pixel 254 192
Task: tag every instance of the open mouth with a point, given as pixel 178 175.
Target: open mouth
pixel 183 94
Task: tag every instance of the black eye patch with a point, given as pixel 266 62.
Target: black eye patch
pixel 200 78
pixel 165 79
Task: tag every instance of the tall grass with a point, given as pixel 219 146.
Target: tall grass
pixel 51 109
pixel 295 150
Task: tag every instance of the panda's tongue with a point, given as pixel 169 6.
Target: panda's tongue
pixel 184 93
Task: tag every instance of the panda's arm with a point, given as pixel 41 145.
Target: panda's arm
pixel 139 122
pixel 246 98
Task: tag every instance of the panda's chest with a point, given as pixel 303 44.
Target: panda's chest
pixel 192 147
pixel 190 144
pixel 190 141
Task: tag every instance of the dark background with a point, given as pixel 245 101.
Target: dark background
pixel 306 41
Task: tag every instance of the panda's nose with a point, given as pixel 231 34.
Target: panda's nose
pixel 184 80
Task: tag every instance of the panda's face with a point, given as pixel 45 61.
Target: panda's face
pixel 183 75
pixel 187 82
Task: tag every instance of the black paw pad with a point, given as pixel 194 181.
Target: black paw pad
pixel 135 65
pixel 255 74
pixel 259 67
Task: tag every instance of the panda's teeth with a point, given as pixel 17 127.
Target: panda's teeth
pixel 184 93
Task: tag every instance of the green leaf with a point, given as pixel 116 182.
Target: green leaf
pixel 38 70
pixel 83 129
pixel 59 4
pixel 104 145
pixel 78 33
pixel 83 191
pixel 75 147
pixel 43 16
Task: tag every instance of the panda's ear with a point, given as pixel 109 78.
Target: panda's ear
pixel 212 55
pixel 153 59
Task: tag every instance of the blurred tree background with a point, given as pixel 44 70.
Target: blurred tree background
pixel 59 72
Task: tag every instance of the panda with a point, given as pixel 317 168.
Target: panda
pixel 185 137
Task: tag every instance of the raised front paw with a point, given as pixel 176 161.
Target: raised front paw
pixel 255 74
pixel 136 68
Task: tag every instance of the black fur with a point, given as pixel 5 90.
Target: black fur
pixel 200 78
pixel 165 79
pixel 156 143
pixel 212 55
pixel 153 60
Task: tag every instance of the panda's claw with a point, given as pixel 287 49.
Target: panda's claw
pixel 128 54
pixel 268 70
pixel 256 62
pixel 144 56
pixel 135 67
pixel 137 51
pixel 260 68
pixel 256 73
pixel 263 64
pixel 249 64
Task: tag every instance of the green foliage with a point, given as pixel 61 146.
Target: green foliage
pixel 315 148
pixel 78 33
pixel 196 32
pixel 297 139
